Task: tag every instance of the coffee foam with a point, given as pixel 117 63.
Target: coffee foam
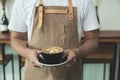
pixel 52 50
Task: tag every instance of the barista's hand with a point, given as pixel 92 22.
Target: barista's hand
pixel 32 57
pixel 71 57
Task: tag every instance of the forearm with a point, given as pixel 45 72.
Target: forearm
pixel 86 48
pixel 90 43
pixel 18 44
pixel 20 47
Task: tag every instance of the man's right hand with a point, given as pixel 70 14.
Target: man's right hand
pixel 32 57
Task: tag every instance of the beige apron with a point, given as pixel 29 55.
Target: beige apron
pixel 54 26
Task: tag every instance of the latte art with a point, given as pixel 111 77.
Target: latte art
pixel 52 50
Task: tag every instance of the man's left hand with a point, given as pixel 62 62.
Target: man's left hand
pixel 71 55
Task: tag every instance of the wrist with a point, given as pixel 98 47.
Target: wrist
pixel 76 51
pixel 28 51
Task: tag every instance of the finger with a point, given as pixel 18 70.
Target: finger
pixel 69 58
pixel 35 65
pixel 40 55
pixel 71 62
pixel 37 51
pixel 65 52
pixel 38 64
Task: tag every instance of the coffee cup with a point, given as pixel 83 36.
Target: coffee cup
pixel 52 55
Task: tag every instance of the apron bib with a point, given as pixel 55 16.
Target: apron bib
pixel 54 26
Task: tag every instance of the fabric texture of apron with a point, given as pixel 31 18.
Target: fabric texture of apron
pixel 56 28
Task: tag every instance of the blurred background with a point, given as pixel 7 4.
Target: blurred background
pixel 109 18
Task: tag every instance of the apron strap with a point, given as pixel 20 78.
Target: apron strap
pixel 40 10
pixel 41 2
pixel 70 9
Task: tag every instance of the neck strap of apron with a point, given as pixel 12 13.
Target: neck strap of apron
pixel 41 2
pixel 70 8
pixel 41 12
pixel 40 9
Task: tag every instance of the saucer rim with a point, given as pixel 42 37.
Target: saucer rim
pixel 57 64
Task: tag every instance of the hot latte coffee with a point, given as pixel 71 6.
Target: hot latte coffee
pixel 52 55
pixel 52 50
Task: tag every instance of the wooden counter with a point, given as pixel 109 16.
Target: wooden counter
pixel 110 36
pixel 5 38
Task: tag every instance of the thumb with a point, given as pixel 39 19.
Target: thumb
pixel 40 55
pixel 37 51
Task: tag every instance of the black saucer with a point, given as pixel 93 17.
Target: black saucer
pixel 61 62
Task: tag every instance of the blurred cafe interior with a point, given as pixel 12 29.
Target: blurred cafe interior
pixel 104 64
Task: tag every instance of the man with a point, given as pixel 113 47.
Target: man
pixel 54 23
